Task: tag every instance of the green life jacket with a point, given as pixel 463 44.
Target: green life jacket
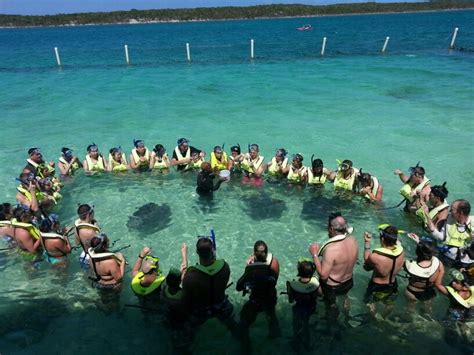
pixel 141 290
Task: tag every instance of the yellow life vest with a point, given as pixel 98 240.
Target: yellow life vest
pixel 210 270
pixel 273 169
pixel 245 165
pixel 52 236
pixel 74 165
pixel 136 158
pixel 375 187
pixel 413 268
pixel 116 166
pixel 317 180
pixel 345 183
pixel 407 190
pixel 304 287
pixel 462 302
pixel 195 164
pixel 5 223
pixel 169 296
pixel 161 164
pixel 391 253
pixel 35 165
pixel 181 157
pixel 141 290
pixel 295 176
pixel 32 229
pixel 39 195
pixel 84 225
pixel 454 237
pixel 432 213
pixel 336 238
pixel 97 166
pixel 219 164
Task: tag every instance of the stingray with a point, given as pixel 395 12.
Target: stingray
pixel 150 218
pixel 263 206
pixel 318 208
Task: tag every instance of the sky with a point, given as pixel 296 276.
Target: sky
pixel 51 7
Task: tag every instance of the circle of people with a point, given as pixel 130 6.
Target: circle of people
pixel 194 293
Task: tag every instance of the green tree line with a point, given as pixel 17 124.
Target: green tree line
pixel 228 12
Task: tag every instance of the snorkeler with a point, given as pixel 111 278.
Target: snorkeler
pixel 317 174
pixel 159 159
pixel 86 228
pixel 385 262
pixel 345 178
pixel 185 157
pixel 278 167
pixel 28 193
pixel 204 288
pixel 6 228
pixel 147 276
pixel 94 161
pixel 253 166
pixel 303 292
pixel 235 160
pixel 338 258
pixel 457 232
pixel 117 160
pixel 205 180
pixel 461 297
pixel 54 240
pixel 416 187
pixel 108 267
pixel 140 156
pixel 219 160
pixel 369 187
pixel 259 279
pixel 436 211
pixel 424 273
pixel 68 162
pixel 35 158
pixel 297 173
pixel 26 234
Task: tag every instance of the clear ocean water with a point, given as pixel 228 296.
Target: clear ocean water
pixel 414 103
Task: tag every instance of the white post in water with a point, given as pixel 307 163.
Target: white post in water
pixel 188 52
pixel 323 48
pixel 454 38
pixel 252 49
pixel 127 57
pixel 385 44
pixel 58 59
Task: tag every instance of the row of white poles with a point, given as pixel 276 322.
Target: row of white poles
pixel 252 48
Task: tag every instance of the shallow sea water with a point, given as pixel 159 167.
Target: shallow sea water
pixel 382 111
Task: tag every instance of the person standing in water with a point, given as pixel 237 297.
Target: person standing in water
pixel 140 156
pixel 94 161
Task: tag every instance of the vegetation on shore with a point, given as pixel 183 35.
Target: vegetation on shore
pixel 227 13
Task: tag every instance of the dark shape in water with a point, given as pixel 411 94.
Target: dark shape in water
pixel 150 218
pixel 318 208
pixel 263 206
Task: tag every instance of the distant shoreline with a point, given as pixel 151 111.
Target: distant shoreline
pixel 71 19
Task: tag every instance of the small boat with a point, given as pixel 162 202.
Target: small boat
pixel 305 28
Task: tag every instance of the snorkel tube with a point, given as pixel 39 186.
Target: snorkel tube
pixel 213 238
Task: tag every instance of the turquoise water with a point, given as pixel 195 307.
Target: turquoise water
pixel 384 112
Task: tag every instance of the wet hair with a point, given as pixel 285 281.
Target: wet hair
pixel 173 279
pixel 217 148
pixel 17 211
pixel 182 141
pixel 258 244
pixel 254 147
pixel 463 207
pixel 66 151
pixel 389 235
pixel 281 152
pixel 137 142
pixel 298 157
pixel 84 209
pixel 306 269
pixel 206 166
pixel 317 163
pixel 418 170
pixel 25 216
pixel 93 145
pixel 424 251
pixel 440 191
pixel 5 211
pixel 32 150
pixel 204 248
pixel 235 148
pixel 364 178
pixel 347 162
pixel 159 149
pixel 100 243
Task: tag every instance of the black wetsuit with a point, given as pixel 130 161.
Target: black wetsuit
pixel 205 183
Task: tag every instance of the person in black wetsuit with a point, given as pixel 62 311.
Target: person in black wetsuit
pixel 205 180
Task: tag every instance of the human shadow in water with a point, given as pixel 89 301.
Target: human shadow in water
pixel 264 206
